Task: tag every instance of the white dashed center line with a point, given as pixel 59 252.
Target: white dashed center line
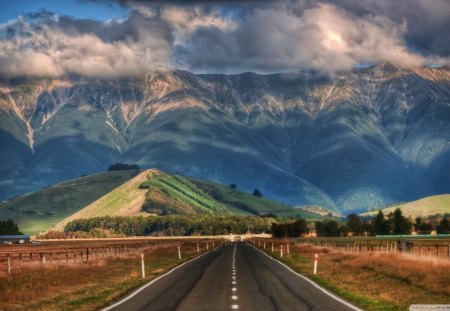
pixel 233 282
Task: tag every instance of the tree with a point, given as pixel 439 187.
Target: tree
pixel 443 227
pixel 233 186
pixel 422 227
pixel 327 228
pixel 332 228
pixel 343 230
pixel 354 224
pixel 400 224
pixel 257 193
pixel 380 224
pixel 9 227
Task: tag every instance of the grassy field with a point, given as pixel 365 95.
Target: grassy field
pixel 438 204
pixel 40 210
pixel 87 286
pixel 372 281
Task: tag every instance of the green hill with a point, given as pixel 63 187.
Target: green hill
pixel 129 193
pixel 241 203
pixel 38 211
pixel 437 204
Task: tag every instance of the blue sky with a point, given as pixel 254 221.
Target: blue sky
pixel 10 10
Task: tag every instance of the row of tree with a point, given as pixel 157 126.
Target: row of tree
pixel 292 229
pixel 176 225
pixel 395 223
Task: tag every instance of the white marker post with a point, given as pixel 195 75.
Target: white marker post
pixel 287 248
pixel 316 259
pixel 198 248
pixel 264 245
pixel 272 247
pixel 179 253
pixel 142 266
pixel 281 251
pixel 207 246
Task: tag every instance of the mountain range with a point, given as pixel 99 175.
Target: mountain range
pixel 352 142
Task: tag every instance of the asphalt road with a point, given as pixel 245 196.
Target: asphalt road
pixel 234 276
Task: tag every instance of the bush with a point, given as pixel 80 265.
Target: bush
pixel 123 167
pixel 257 193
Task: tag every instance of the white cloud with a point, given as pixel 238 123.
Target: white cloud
pixel 275 39
pixel 282 36
pixel 46 51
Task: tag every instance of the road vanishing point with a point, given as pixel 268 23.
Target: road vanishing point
pixel 235 276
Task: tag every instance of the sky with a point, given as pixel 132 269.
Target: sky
pixel 111 38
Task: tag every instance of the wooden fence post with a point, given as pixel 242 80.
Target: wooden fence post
pixel 9 265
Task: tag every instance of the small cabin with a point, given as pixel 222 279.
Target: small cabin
pixel 17 239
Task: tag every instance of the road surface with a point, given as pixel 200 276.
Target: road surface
pixel 235 276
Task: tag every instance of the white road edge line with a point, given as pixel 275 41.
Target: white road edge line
pixel 151 282
pixel 312 282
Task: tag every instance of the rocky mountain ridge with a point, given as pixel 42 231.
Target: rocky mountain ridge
pixel 356 141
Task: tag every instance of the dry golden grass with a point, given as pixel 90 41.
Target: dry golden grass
pixel 89 286
pixel 374 281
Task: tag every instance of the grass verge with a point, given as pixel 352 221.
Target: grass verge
pixel 375 281
pixel 87 287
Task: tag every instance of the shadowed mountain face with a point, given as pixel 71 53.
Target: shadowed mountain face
pixel 356 141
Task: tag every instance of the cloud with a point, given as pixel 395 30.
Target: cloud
pixel 228 37
pixel 322 37
pixel 428 21
pixel 92 48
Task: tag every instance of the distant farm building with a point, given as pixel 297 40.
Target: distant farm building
pixel 20 239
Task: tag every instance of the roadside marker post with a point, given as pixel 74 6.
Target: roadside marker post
pixel 198 248
pixel 142 266
pixel 272 247
pixel 179 253
pixel 287 248
pixel 281 251
pixel 264 245
pixel 207 246
pixel 316 259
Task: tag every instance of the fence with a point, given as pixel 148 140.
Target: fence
pixel 20 259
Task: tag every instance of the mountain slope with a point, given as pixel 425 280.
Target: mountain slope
pixel 438 204
pixel 362 139
pixel 40 210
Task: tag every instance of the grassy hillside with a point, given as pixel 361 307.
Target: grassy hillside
pixel 438 204
pixel 172 194
pixel 126 193
pixel 241 203
pixel 40 210
pixel 125 200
